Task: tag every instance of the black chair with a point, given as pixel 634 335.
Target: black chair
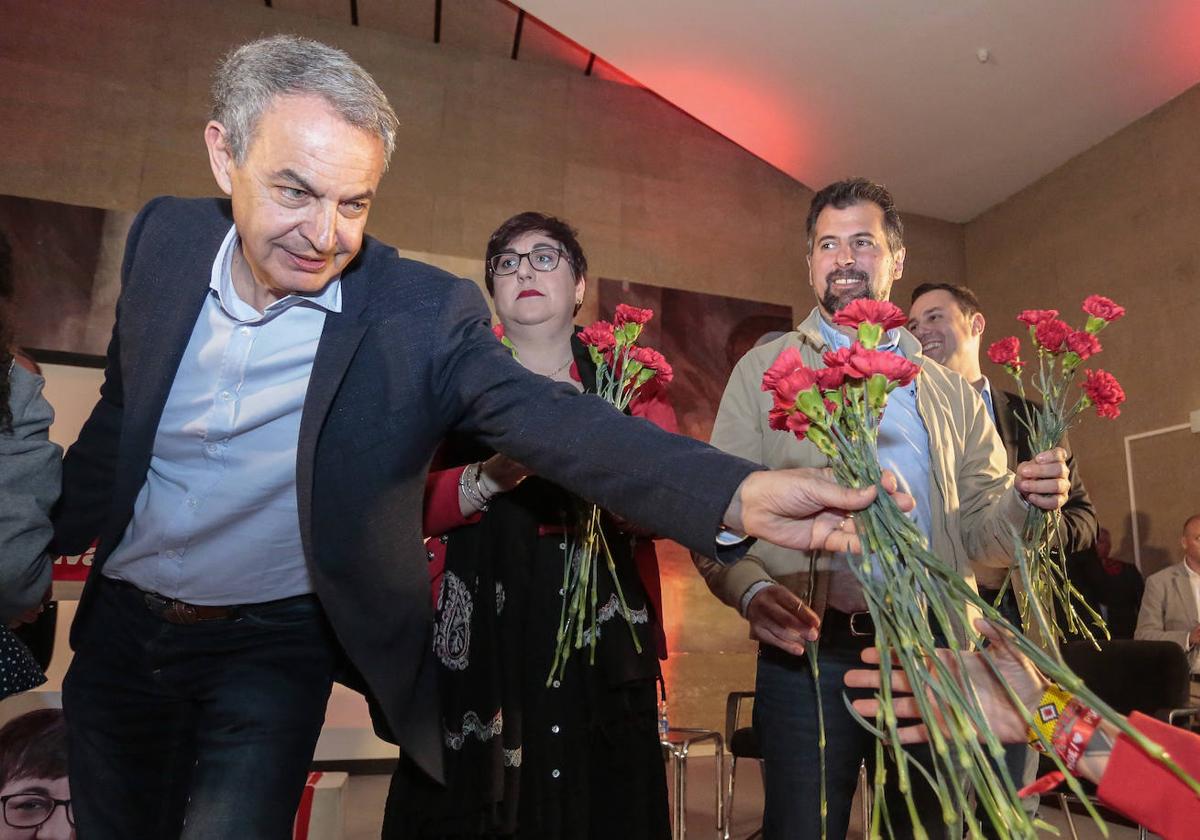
pixel 1131 676
pixel 742 742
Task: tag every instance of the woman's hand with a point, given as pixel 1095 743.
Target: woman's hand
pixel 1005 719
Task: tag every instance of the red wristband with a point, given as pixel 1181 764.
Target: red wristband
pixel 1074 732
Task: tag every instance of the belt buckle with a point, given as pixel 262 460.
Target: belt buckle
pixel 170 610
pixel 180 613
pixel 854 616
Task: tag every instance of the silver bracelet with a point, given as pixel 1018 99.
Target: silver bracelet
pixel 472 494
pixel 487 497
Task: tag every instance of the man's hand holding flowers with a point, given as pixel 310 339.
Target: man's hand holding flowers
pixel 804 508
pixel 1044 481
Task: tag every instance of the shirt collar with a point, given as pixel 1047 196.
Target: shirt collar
pixel 986 393
pixel 221 284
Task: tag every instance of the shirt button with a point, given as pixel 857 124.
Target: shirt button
pixel 556 684
pixel 554 729
pixel 226 395
pixel 210 448
pixel 191 502
pixel 562 545
pixel 172 554
pixel 244 331
pixel 554 773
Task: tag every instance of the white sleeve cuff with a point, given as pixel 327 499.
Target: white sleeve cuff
pixel 751 591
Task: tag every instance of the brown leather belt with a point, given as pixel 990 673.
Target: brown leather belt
pixel 177 612
pixel 181 612
pixel 839 632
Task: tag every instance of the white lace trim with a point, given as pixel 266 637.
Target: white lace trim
pixel 473 725
pixel 611 610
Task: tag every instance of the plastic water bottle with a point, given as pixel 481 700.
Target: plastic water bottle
pixel 663 725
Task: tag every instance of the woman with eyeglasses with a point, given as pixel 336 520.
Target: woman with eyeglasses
pixel 34 791
pixel 578 758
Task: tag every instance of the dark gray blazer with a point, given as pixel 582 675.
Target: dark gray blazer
pixel 410 358
pixel 30 472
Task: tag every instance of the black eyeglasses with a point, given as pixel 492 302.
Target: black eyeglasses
pixel 29 810
pixel 541 259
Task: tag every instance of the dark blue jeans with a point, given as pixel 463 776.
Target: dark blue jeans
pixel 198 731
pixel 785 717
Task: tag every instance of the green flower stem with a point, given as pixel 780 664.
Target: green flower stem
pixel 811 651
pixel 616 383
pixel 612 570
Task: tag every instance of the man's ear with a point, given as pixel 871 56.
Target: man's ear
pixel 898 267
pixel 978 324
pixel 220 156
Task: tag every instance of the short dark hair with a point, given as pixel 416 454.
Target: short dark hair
pixel 847 193
pixel 964 297
pixel 530 222
pixel 33 746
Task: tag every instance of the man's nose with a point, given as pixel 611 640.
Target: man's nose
pixel 844 255
pixel 321 231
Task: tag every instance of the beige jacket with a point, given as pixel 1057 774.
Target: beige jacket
pixel 975 507
pixel 1168 612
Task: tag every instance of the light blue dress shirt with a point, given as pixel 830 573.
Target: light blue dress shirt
pixel 216 522
pixel 986 395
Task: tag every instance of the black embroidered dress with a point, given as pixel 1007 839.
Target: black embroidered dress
pixel 578 759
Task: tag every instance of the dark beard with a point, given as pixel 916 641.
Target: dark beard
pixel 832 301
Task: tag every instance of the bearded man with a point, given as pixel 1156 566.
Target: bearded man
pixel 937 437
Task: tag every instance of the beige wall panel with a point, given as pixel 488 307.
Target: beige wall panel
pixel 1163 505
pixel 335 10
pixel 542 45
pixel 1120 220
pixel 484 27
pixel 410 18
pixel 935 254
pixel 711 653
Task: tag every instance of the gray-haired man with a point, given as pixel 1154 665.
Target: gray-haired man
pixel 276 385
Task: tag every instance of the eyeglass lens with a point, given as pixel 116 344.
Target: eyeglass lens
pixel 29 810
pixel 541 259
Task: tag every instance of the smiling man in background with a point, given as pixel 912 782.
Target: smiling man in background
pixel 949 323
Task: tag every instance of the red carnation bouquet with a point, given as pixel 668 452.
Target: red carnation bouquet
pixel 625 372
pixel 917 601
pixel 1061 351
